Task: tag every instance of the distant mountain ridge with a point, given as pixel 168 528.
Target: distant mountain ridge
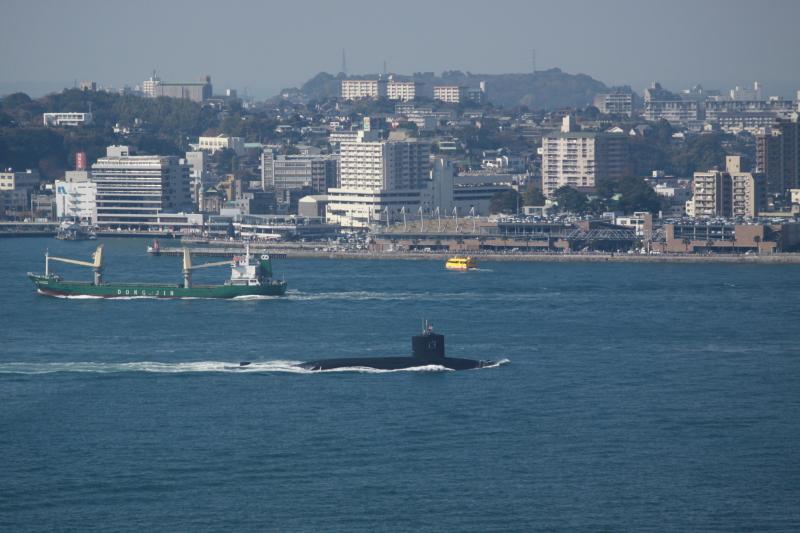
pixel 545 89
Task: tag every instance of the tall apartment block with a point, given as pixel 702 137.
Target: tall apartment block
pixel 748 190
pixel 778 155
pixel 728 193
pixel 711 194
pixel 578 159
pixel 133 190
pixel 378 178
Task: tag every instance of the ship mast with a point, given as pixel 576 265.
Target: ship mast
pixel 188 267
pixel 96 264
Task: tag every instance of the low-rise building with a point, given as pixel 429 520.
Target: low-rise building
pixel 290 172
pixel 194 91
pixel 729 237
pixel 358 89
pixel 76 199
pixel 660 103
pixel 221 142
pixel 617 101
pixel 269 227
pixel 312 206
pixel 13 181
pixel 67 119
pixel 401 90
pixel 451 94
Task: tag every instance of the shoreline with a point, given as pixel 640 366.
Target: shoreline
pixel 788 258
pixel 776 259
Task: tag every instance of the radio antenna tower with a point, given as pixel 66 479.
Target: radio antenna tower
pixel 533 61
pixel 344 62
pixel 384 67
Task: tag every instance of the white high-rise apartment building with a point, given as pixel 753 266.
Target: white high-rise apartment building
pixel 379 179
pixel 578 159
pixel 132 191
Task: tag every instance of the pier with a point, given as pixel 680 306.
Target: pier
pixel 216 251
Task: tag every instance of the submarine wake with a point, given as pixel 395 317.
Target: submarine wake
pixel 192 367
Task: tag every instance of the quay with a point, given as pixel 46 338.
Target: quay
pixel 217 251
pixel 308 252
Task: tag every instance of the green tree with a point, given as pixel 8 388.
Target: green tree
pixel 628 194
pixel 533 196
pixel 571 199
pixel 504 202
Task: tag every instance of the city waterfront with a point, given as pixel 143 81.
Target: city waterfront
pixel 635 397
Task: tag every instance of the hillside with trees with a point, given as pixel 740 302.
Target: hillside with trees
pixel 156 125
pixel 543 90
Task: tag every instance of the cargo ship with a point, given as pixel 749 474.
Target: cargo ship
pixel 460 263
pixel 249 277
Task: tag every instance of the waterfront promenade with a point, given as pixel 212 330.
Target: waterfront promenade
pixel 309 250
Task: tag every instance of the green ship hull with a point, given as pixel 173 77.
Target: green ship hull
pixel 54 286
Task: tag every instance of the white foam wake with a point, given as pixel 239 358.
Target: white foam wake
pixel 190 367
pixel 495 364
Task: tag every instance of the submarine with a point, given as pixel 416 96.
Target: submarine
pixel 426 349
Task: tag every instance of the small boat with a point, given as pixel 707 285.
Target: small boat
pixel 73 231
pixel 155 248
pixel 461 263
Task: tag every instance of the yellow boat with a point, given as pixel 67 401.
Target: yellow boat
pixel 461 263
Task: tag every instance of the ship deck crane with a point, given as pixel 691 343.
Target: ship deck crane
pixel 188 267
pixel 96 264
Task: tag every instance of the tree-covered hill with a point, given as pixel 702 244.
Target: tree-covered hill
pixel 158 125
pixel 546 89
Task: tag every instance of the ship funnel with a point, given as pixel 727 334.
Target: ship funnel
pixel 266 266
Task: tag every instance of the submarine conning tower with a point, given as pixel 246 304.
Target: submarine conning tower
pixel 428 345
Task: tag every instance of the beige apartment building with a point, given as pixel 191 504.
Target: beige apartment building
pixel 575 158
pixel 729 193
pixel 401 90
pixel 358 89
pixel 451 94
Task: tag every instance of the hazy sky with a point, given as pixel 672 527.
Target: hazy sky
pixel 264 46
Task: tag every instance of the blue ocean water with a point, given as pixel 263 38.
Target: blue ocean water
pixel 637 397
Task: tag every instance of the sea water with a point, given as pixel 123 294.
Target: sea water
pixel 635 397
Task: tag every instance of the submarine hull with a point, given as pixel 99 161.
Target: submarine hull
pixel 394 363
